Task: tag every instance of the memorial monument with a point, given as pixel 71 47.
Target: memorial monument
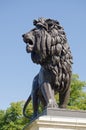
pixel 48 46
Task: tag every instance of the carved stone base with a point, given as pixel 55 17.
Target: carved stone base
pixel 58 119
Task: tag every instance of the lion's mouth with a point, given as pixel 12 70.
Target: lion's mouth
pixel 29 41
pixel 29 45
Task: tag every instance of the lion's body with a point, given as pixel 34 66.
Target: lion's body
pixel 49 48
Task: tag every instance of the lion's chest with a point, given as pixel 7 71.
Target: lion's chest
pixel 45 76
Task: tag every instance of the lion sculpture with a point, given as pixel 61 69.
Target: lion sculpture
pixel 48 46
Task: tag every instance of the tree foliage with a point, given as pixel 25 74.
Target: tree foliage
pixel 77 94
pixel 13 119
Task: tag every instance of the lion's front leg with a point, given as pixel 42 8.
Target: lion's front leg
pixel 48 95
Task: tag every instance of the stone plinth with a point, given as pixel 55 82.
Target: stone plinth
pixel 57 119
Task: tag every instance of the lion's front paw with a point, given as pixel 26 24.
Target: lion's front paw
pixel 52 104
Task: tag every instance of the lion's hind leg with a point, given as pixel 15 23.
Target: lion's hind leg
pixel 34 96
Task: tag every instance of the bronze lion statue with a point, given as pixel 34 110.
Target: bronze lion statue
pixel 48 46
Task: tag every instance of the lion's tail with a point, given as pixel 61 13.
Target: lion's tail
pixel 25 106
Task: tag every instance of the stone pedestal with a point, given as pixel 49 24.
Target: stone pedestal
pixel 57 119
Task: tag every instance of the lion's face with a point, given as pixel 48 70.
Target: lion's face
pixel 40 39
pixel 29 39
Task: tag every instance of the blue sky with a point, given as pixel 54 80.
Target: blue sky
pixel 16 68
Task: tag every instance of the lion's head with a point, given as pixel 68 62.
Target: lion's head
pixel 48 46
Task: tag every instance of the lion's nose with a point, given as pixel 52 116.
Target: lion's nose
pixel 23 35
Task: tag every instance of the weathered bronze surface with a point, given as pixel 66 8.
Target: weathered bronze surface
pixel 48 46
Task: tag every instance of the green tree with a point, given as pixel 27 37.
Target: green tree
pixel 13 119
pixel 77 95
